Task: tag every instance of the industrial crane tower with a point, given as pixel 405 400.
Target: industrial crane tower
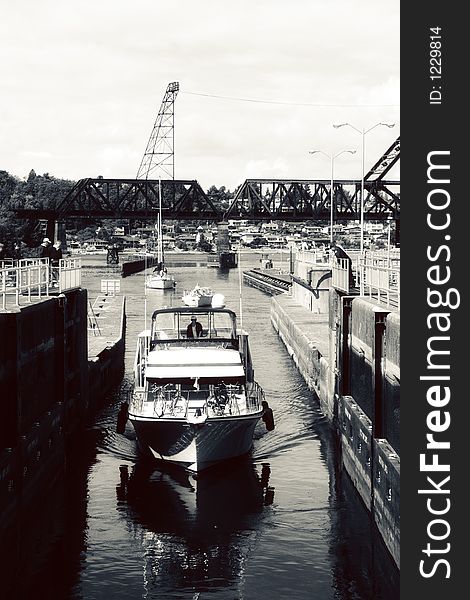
pixel 158 161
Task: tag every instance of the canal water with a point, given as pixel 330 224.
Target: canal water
pixel 284 522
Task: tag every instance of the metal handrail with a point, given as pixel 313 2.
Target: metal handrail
pixel 34 277
pixel 340 268
pixel 379 278
pixel 254 396
pixel 314 257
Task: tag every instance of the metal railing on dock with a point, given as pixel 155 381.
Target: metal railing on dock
pixel 340 268
pixel 32 279
pixel 376 274
pixel 314 257
pixel 379 278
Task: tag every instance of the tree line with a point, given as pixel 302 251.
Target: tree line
pixel 43 192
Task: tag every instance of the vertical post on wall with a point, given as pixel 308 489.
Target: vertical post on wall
pixel 378 421
pixel 345 360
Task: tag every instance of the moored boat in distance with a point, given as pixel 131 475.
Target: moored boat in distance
pixel 198 296
pixel 195 401
pixel 160 280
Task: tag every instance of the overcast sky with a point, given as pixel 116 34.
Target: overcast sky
pixel 81 83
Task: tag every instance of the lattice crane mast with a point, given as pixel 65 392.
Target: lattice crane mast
pixel 159 159
pixel 385 162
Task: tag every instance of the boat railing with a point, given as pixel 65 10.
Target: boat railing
pixel 229 400
pixel 140 359
pixel 254 396
pixel 224 342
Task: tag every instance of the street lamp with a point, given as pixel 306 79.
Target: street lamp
pixel 389 222
pixel 332 159
pixel 363 132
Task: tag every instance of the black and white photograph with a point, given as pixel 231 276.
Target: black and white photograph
pixel 201 302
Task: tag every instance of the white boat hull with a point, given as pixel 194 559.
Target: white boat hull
pixel 195 446
pixel 160 283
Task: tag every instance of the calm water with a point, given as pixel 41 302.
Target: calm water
pixel 283 523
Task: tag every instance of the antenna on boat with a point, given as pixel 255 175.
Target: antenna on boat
pixel 145 287
pixel 240 285
pixel 160 240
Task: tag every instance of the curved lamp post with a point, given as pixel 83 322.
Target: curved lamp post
pixel 332 159
pixel 363 133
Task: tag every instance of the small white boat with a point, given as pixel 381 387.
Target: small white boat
pixel 198 296
pixel 160 280
pixel 195 401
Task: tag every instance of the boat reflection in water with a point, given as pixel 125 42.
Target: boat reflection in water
pixel 196 530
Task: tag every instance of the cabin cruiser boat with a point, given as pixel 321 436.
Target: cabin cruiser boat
pixel 195 401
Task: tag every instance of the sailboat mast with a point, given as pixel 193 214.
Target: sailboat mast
pixel 240 285
pixel 160 240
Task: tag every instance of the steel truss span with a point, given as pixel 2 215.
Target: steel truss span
pixel 256 199
pixel 132 199
pixel 259 199
pixel 300 199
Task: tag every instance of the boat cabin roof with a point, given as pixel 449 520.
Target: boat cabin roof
pixel 187 310
pixel 172 325
pixel 207 364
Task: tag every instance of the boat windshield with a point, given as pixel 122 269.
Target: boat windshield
pixel 201 325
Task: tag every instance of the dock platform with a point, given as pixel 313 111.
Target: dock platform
pixel 271 281
pixel 105 316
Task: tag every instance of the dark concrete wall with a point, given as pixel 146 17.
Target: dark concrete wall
pixel 386 495
pixel 43 361
pixel 374 469
pixel 356 443
pixel 362 355
pixel 361 377
pixel 48 388
pixel 134 266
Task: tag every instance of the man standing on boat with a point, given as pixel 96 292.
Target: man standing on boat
pixel 194 329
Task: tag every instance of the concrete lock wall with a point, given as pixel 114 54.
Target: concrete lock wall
pixel 135 266
pixel 303 351
pixel 374 469
pixel 356 443
pixel 368 323
pixel 359 382
pixel 311 285
pixel 386 495
pixel 43 360
pixel 362 355
pixel 48 387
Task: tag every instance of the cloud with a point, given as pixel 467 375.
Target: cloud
pixel 85 81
